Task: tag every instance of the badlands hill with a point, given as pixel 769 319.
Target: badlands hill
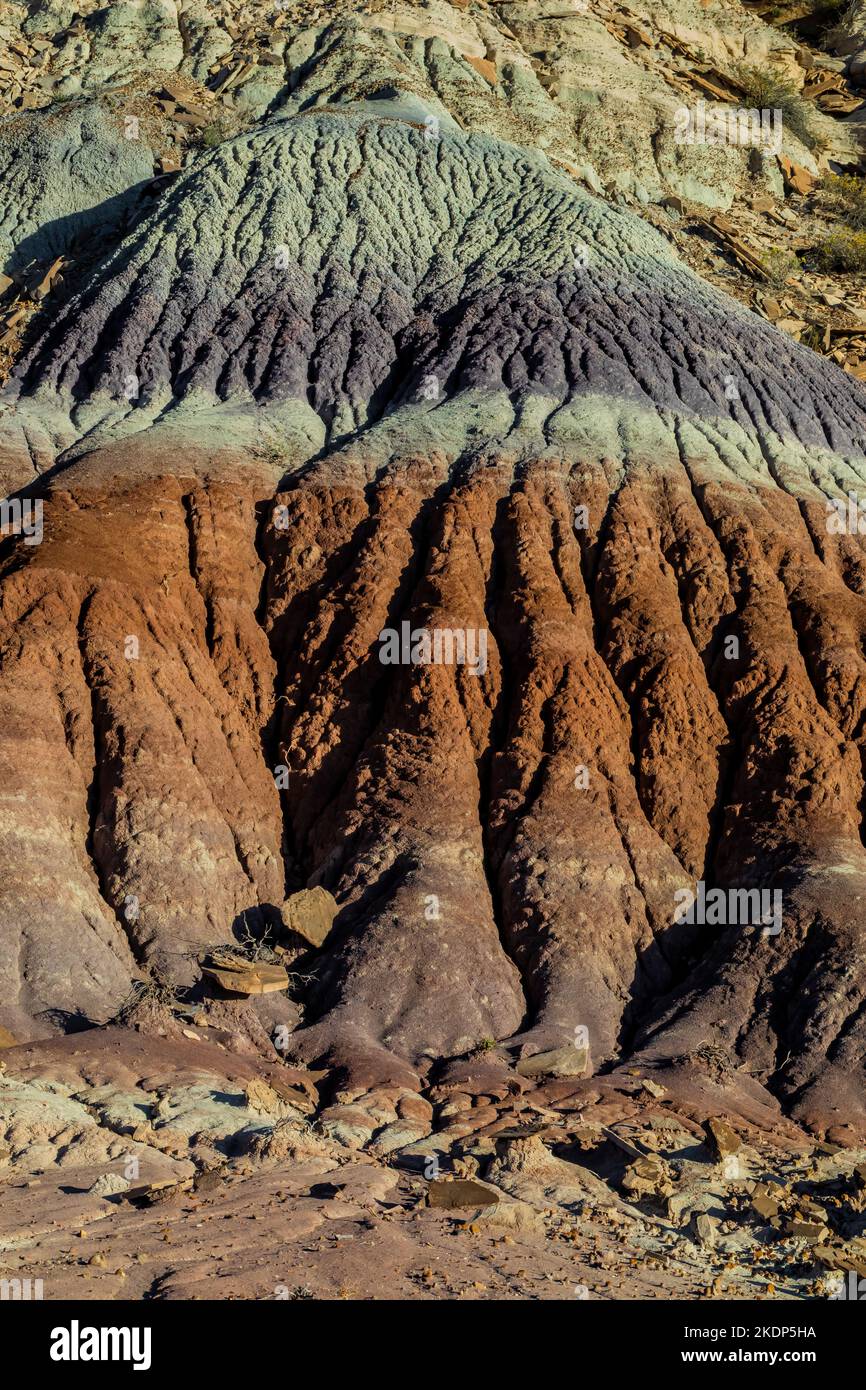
pixel 362 318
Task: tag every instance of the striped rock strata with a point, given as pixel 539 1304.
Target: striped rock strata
pixel 354 371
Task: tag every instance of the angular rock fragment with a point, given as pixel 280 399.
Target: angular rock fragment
pixel 647 1176
pixel 163 1190
pixel 245 977
pixel 109 1185
pixel 722 1139
pixel 847 1257
pixel 311 914
pixel 812 1231
pixel 511 1215
pixel 706 1230
pixel 448 1193
pixel 560 1061
pixel 765 1206
pixel 264 1099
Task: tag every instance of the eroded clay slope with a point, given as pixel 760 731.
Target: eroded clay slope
pixel 355 371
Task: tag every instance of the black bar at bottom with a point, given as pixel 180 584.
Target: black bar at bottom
pixel 225 1339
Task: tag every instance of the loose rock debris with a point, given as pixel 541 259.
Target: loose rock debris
pixel 531 1222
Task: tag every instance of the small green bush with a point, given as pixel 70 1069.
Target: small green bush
pixel 780 266
pixel 843 250
pixel 214 134
pixel 846 194
pixel 767 89
pixel 846 22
